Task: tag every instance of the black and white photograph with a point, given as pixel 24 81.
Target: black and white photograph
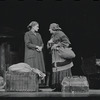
pixel 50 48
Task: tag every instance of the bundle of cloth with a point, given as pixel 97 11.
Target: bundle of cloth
pixel 23 67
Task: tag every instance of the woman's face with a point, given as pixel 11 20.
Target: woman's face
pixel 36 27
pixel 51 31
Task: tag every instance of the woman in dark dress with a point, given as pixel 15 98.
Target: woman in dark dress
pixel 61 67
pixel 33 47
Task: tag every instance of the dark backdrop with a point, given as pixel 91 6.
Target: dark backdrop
pixel 79 19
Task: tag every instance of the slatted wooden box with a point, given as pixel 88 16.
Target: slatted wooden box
pixel 23 82
pixel 75 84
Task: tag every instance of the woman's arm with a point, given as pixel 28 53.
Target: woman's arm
pixel 64 41
pixel 40 47
pixel 50 43
pixel 28 43
pixel 42 44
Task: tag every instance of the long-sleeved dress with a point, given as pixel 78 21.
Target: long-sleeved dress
pixel 61 67
pixel 32 56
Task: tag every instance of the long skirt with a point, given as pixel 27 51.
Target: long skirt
pixel 58 73
pixel 58 76
pixel 37 62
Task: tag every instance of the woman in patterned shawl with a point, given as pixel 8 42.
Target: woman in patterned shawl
pixel 61 67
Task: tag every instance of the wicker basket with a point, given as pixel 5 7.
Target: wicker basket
pixel 16 81
pixel 75 84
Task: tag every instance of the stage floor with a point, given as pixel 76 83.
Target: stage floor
pixel 45 93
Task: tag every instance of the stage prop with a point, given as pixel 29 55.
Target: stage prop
pixel 21 77
pixel 75 84
pixel 25 82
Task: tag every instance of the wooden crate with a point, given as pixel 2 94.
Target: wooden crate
pixel 25 82
pixel 75 84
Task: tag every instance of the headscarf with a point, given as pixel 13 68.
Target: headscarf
pixel 54 26
pixel 32 24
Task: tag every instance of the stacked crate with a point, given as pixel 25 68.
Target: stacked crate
pixel 24 82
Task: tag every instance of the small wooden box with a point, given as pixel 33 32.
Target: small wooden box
pixel 16 81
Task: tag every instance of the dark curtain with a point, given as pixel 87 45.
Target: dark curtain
pixel 7 57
